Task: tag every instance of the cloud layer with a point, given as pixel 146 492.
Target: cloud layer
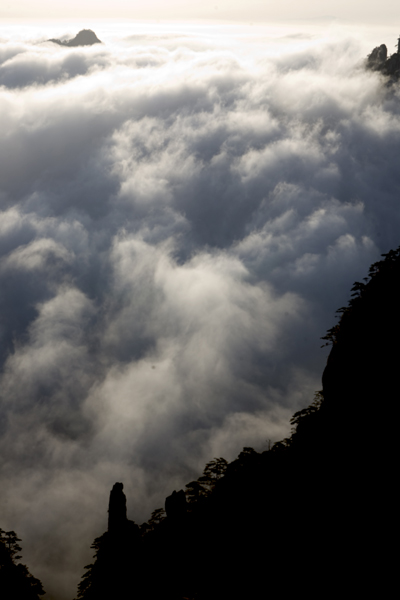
pixel 180 217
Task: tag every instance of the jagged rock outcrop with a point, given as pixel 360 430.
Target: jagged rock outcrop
pixel 377 58
pixel 86 37
pixel 378 61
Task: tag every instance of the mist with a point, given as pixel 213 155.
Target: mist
pixel 182 212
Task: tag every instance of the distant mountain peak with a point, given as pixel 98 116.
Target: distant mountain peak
pixel 86 37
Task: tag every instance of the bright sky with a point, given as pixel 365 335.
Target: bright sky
pixel 244 10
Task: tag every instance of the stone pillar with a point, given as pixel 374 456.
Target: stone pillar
pixel 117 509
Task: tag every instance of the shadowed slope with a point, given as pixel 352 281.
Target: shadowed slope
pixel 314 515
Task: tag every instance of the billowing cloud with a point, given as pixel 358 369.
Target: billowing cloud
pixel 181 215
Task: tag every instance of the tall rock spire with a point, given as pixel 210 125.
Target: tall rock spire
pixel 117 509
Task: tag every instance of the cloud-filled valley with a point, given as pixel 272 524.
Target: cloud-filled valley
pixel 181 215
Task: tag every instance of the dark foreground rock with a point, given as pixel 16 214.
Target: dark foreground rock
pixel 315 516
pixel 86 37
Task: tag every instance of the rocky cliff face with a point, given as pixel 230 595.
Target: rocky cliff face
pixel 377 58
pixel 378 61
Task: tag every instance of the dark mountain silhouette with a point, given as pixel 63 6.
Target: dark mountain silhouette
pixel 114 573
pixel 314 516
pixel 16 582
pixel 378 61
pixel 86 37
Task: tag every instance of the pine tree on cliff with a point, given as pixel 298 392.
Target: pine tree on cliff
pixel 16 582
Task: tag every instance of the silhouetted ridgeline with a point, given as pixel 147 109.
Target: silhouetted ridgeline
pixel 16 583
pixel 315 515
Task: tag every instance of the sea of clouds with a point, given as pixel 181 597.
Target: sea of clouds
pixel 182 212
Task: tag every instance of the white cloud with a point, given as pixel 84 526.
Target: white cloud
pixel 181 216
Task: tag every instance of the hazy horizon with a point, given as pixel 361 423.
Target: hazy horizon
pixel 183 208
pixel 357 12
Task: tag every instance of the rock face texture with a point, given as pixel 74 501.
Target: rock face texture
pixel 377 58
pixel 86 37
pixel 392 66
pixel 378 61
